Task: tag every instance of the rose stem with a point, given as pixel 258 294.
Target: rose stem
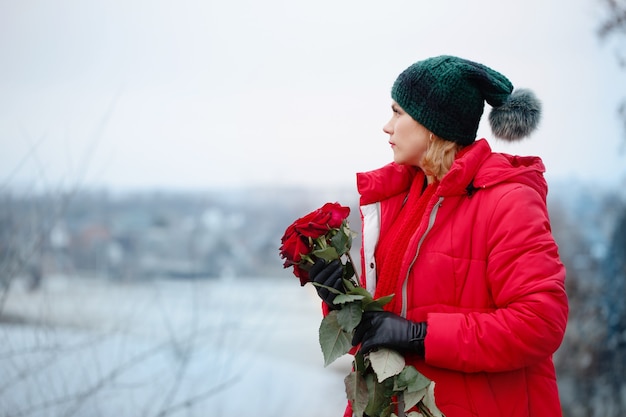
pixel 356 274
pixel 401 412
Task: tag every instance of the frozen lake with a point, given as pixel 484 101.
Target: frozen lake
pixel 210 348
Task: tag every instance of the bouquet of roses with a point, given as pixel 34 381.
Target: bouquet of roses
pixel 323 233
pixel 380 380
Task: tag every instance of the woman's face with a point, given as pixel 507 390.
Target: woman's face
pixel 408 139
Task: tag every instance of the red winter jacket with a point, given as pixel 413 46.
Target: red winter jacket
pixel 483 271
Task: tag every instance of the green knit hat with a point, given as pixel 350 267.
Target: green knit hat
pixel 446 94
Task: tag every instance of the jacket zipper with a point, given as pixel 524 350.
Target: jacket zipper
pixel 431 222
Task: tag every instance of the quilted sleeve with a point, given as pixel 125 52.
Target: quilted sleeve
pixel 526 278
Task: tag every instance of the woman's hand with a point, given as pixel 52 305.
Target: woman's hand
pixel 330 275
pixel 384 329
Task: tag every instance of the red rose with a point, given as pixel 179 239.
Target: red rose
pixel 313 225
pixel 320 221
pixel 293 247
pixel 338 214
pixel 299 238
pixel 302 274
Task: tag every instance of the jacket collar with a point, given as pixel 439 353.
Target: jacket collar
pixel 476 165
pixel 385 182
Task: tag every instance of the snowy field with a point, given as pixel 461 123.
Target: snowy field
pixel 210 348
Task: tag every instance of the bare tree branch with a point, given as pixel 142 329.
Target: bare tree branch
pixel 191 401
pixel 616 21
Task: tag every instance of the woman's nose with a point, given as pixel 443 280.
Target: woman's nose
pixel 388 128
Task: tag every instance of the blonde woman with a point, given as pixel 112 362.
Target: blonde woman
pixel 461 236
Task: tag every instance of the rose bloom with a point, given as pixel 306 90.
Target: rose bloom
pixel 299 237
pixel 320 221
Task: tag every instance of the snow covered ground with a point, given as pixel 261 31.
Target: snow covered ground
pixel 210 348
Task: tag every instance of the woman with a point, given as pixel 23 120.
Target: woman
pixel 461 236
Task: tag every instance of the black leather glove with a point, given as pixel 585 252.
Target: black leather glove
pixel 385 329
pixel 329 274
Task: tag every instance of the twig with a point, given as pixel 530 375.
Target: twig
pixel 189 402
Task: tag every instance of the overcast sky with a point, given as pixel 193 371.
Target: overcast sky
pixel 194 94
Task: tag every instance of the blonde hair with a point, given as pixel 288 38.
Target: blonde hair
pixel 439 157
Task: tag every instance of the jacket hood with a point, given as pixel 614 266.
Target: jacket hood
pixel 475 168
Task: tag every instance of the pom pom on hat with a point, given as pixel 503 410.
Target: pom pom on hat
pixel 517 117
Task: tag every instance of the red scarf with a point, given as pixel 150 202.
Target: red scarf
pixel 392 247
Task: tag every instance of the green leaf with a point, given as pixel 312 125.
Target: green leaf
pixel 356 392
pixel 348 285
pixel 349 270
pixel 345 227
pixel 405 378
pixel 380 394
pixel 411 380
pixel 429 401
pixel 307 258
pixel 347 298
pixel 386 412
pixel 384 300
pixel 341 242
pixel 349 316
pixel 359 362
pixel 412 398
pixel 386 363
pixel 331 289
pixel 328 254
pixel 418 383
pixel 377 304
pixel 361 291
pixel 333 340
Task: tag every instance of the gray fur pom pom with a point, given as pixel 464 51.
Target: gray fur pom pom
pixel 517 117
